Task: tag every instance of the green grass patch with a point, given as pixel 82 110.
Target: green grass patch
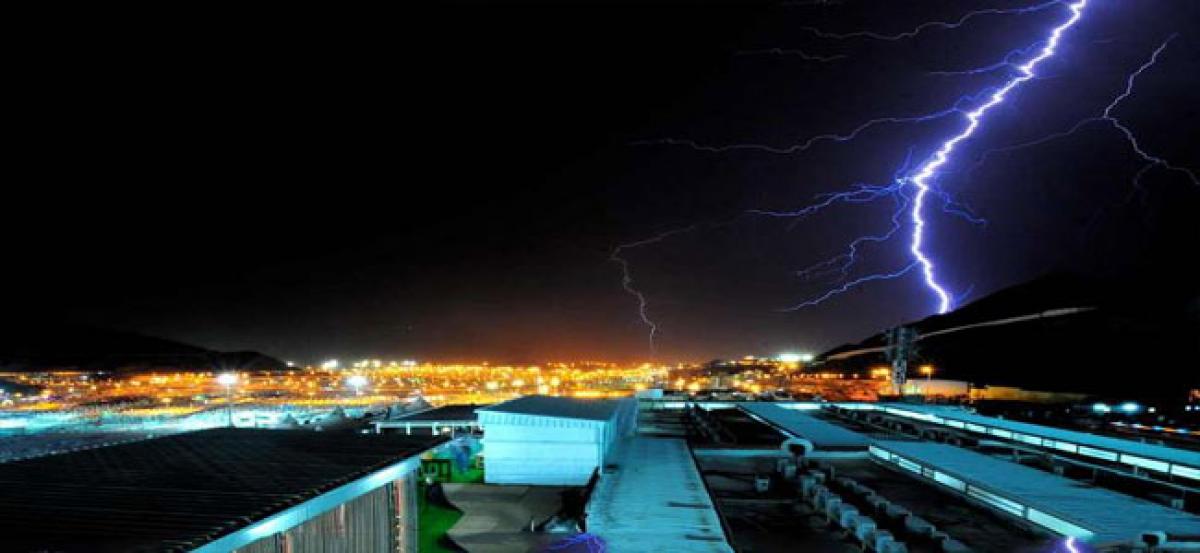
pixel 470 476
pixel 433 523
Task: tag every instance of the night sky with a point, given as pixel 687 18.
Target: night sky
pixel 449 182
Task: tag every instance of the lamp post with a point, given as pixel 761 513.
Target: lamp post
pixel 228 380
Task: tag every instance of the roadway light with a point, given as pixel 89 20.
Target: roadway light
pixel 1101 408
pixel 228 380
pixel 1130 407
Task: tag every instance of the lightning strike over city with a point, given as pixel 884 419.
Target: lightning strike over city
pixel 844 276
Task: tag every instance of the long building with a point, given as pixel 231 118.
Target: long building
pixel 220 490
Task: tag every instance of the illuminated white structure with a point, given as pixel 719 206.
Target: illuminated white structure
pixel 551 440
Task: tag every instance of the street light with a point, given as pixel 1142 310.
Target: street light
pixel 228 380
pixel 357 382
pixel 927 370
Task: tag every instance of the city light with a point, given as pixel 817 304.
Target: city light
pixel 228 380
pixel 795 357
pixel 1101 408
pixel 357 382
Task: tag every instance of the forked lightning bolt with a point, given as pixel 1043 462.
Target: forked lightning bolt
pixel 922 178
pixel 912 190
pixel 1108 118
pixel 627 277
pixel 932 24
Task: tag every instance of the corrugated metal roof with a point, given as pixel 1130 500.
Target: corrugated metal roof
pixel 445 413
pixel 656 501
pixel 181 491
pixel 1169 454
pixel 822 434
pixel 562 407
pixel 1110 515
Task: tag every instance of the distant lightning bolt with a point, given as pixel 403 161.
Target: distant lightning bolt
pixel 1069 543
pixel 844 261
pixel 846 287
pixel 1009 62
pixel 790 52
pixel 1107 117
pixel 932 24
pixel 1129 136
pixel 974 117
pixel 958 107
pixel 627 278
pixel 862 193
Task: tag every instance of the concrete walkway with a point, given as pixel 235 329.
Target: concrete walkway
pixel 496 518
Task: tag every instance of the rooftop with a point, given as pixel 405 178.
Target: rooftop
pixel 463 412
pixel 181 491
pixel 562 407
pixel 824 435
pixel 1181 460
pixel 656 501
pixel 1066 506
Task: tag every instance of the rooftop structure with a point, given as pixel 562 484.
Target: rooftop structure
pixel 1167 460
pixel 1054 503
pixel 462 412
pixel 552 441
pixel 655 501
pixel 818 436
pixel 552 406
pixel 438 420
pixel 208 491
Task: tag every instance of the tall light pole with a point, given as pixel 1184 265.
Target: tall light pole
pixel 228 380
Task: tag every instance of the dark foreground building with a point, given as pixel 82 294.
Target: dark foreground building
pixel 253 491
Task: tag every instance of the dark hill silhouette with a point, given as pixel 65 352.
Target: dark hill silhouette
pixel 1134 339
pixel 37 346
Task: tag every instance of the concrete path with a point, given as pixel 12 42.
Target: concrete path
pixel 496 518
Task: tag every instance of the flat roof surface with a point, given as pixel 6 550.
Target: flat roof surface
pixel 181 491
pixel 1169 454
pixel 1111 516
pixel 464 412
pixel 562 407
pixel 976 526
pixel 821 433
pixel 656 501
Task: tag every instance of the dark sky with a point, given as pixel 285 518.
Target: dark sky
pixel 448 182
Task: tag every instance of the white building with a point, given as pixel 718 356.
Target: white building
pixel 553 441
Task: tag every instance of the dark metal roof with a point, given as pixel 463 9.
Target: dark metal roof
pixel 823 435
pixel 464 412
pixel 562 407
pixel 181 491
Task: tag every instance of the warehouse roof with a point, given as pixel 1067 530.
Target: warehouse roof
pixel 824 435
pixel 181 491
pixel 562 407
pixel 656 501
pixel 1063 505
pixel 1180 459
pixel 462 412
